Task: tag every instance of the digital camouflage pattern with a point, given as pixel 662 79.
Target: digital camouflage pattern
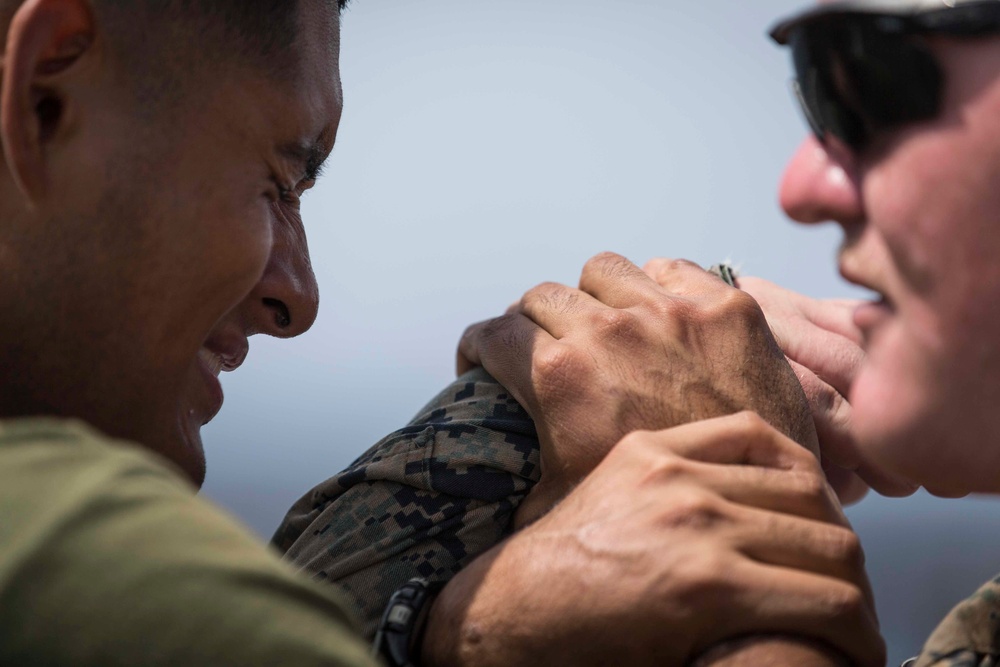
pixel 969 636
pixel 424 501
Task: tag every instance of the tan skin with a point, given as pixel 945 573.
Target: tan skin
pixel 149 290
pixel 181 239
pixel 688 543
pixel 663 521
pixel 918 211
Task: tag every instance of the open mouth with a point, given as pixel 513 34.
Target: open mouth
pixel 870 315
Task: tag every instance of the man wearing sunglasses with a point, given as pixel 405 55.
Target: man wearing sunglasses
pixel 904 102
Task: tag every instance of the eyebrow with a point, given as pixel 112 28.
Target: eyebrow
pixel 311 155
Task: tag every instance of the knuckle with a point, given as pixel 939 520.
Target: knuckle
pixel 551 296
pixel 757 430
pixel 736 305
pixel 636 448
pixel 732 309
pixel 654 266
pixel 672 468
pixel 546 288
pixel 847 601
pixel 846 548
pixel 811 487
pixel 752 426
pixel 695 510
pixel 669 467
pixel 558 367
pixel 611 323
pixel 635 441
pixel 609 264
pixel 818 393
pixel 801 459
pixel 667 310
pixel 470 332
pixel 491 329
pixel 703 579
pixel 683 265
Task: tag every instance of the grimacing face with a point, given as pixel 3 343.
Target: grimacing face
pixel 921 218
pixel 179 238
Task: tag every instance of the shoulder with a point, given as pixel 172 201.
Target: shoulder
pixel 969 635
pixel 108 549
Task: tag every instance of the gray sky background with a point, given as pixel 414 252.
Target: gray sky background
pixel 488 146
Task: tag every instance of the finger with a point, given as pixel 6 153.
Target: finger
pixel 505 347
pixel 796 493
pixel 617 282
pixel 739 439
pixel 795 542
pixel 848 486
pixel 831 414
pixel 818 334
pixel 683 278
pixel 777 599
pixel 831 357
pixel 833 315
pixel 832 418
pixel 884 482
pixel 559 309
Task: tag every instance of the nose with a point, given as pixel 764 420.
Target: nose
pixel 285 301
pixel 820 184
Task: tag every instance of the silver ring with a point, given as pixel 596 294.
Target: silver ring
pixel 725 271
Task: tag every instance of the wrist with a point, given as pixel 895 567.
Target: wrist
pixel 484 616
pixel 771 650
pixel 401 629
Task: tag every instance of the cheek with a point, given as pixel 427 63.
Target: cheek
pixel 237 251
pixel 891 398
pixel 924 404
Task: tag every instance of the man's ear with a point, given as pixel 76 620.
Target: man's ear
pixel 45 38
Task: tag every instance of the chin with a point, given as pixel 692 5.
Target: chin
pixel 946 491
pixel 188 454
pixel 913 452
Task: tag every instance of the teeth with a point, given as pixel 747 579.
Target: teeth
pixel 212 361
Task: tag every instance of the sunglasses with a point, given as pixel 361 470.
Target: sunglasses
pixel 861 73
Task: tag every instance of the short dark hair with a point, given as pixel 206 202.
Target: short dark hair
pixel 164 42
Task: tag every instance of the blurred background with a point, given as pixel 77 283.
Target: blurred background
pixel 488 146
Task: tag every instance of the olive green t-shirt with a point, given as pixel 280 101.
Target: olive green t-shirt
pixel 108 558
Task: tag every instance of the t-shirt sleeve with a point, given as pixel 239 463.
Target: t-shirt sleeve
pixel 424 501
pixel 108 558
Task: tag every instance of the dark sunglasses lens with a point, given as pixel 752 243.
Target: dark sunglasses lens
pixel 823 105
pixel 856 80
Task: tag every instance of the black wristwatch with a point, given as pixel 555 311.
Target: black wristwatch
pixel 400 632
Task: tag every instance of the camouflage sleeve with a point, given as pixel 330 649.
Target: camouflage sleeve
pixel 969 636
pixel 961 659
pixel 422 502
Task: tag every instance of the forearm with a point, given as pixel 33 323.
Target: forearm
pixel 463 629
pixel 635 568
pixel 772 650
